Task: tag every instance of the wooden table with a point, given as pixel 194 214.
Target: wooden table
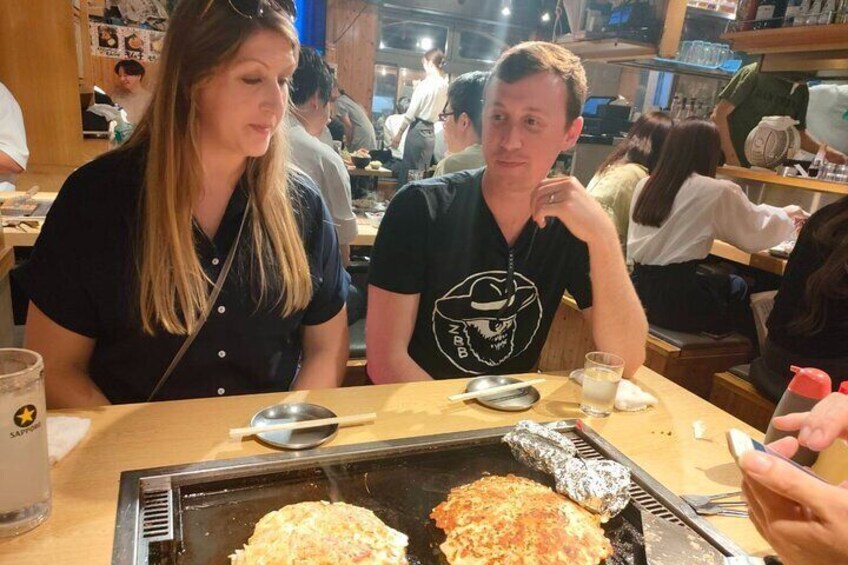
pixel 85 483
pixel 382 172
pixel 25 235
pixel 762 260
pixel 365 234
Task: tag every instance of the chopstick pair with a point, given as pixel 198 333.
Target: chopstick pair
pixel 495 390
pixel 341 421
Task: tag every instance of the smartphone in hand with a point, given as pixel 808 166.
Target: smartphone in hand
pixel 740 443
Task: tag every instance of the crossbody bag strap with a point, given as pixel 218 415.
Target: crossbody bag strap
pixel 213 297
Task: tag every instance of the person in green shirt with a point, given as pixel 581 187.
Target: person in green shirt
pixel 632 160
pixel 463 124
pixel 752 95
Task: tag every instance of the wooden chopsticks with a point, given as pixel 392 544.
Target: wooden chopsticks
pixel 493 390
pixel 342 421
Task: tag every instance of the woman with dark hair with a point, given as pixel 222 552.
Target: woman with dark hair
pixel 428 99
pixel 631 161
pixel 678 211
pixel 808 326
pixel 132 96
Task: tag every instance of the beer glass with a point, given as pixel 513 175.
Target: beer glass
pixel 24 464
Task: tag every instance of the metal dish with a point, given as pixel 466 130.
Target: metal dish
pixel 510 401
pixel 296 412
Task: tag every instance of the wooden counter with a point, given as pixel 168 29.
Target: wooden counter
pixel 366 233
pixel 771 178
pixel 761 260
pixel 25 235
pixel 382 172
pixel 85 483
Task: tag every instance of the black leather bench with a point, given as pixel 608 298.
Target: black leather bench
pixel 734 393
pixel 691 360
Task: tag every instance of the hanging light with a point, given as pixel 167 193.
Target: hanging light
pixel 546 17
pixel 426 43
pixel 506 7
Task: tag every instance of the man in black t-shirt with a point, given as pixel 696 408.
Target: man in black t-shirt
pixel 468 269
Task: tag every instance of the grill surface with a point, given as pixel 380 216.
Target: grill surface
pixel 201 513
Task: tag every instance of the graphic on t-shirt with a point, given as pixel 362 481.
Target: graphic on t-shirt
pixel 480 323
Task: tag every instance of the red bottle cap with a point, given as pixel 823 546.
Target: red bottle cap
pixel 843 388
pixel 809 382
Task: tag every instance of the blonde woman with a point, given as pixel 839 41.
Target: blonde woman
pixel 126 269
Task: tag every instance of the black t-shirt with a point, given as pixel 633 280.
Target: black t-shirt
pixel 806 258
pixel 83 275
pixel 440 240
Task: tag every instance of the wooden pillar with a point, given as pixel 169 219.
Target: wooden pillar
pixel 38 64
pixel 352 30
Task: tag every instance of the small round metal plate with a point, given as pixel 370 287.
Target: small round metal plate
pixel 512 400
pixel 296 412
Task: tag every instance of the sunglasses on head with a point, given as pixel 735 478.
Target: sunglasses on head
pixel 256 8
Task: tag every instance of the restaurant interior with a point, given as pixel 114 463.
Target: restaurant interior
pixel 187 480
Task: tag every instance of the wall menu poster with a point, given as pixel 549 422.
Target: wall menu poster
pixel 105 40
pixel 124 42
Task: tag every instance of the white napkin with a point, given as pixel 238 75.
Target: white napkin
pixel 63 434
pixel 628 398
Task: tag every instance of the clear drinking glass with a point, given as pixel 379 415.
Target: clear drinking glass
pixel 414 175
pixel 725 55
pixel 685 51
pixel 601 375
pixel 25 497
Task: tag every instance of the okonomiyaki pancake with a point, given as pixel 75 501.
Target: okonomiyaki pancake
pixel 511 520
pixel 322 533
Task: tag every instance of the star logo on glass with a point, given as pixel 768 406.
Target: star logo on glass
pixel 25 416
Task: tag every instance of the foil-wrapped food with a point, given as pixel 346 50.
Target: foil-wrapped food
pixel 539 447
pixel 600 486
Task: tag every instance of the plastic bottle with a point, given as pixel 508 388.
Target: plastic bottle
pixel 769 14
pixel 828 12
pixel 746 13
pixel 675 106
pixel 800 17
pixel 807 387
pixel 832 464
pixel 793 9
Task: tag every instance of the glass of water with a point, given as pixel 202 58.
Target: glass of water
pixel 24 464
pixel 601 375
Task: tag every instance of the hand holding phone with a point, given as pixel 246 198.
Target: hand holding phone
pixel 740 443
pixel 805 521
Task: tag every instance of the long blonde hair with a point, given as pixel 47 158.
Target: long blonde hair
pixel 173 288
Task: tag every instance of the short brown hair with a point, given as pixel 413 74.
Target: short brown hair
pixel 533 57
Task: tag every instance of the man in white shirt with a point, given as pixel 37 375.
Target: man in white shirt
pixel 310 93
pixel 13 147
pixel 359 131
pixel 392 125
pixel 463 125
